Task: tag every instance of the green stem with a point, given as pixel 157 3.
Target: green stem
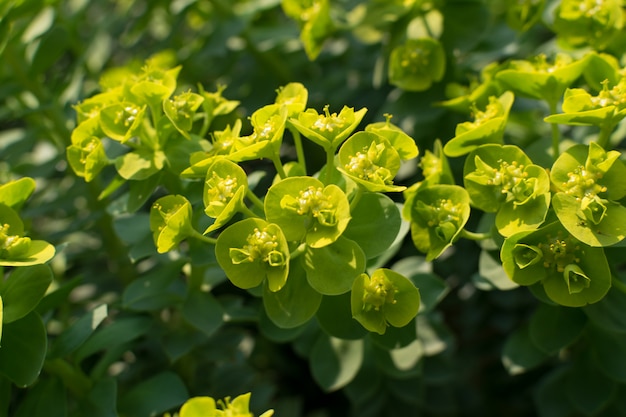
pixel 298 251
pixel 357 197
pixel 427 26
pixel 254 199
pixel 248 213
pixel 197 235
pixel 206 123
pixel 605 134
pixel 297 140
pixel 72 377
pixel 466 234
pixel 278 164
pixel 556 134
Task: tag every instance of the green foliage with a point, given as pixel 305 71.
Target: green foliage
pixel 166 240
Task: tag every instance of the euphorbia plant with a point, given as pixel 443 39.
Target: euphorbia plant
pixel 304 238
pixel 314 249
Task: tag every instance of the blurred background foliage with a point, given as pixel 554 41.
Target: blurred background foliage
pixel 125 336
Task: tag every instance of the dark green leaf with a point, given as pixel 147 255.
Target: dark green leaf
pixel 331 270
pixel 588 389
pixel 113 335
pixel 520 354
pixel 101 400
pixel 23 290
pixel 45 399
pixel 608 313
pixel 203 311
pixel 335 318
pixel 23 349
pixel 74 336
pixel 550 398
pixel 154 396
pixel 157 289
pixel 335 362
pixel 553 328
pixel 375 223
pixel 295 303
pixel 608 349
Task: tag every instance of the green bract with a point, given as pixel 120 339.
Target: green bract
pixel 294 96
pixel 399 140
pixel 536 78
pixel 214 104
pixel 487 127
pixel 588 22
pixel 295 303
pixel 503 179
pixel 438 214
pixel 331 269
pixel 464 98
pixel 122 121
pixel 15 193
pixel 417 64
pixel 435 169
pixel 581 108
pixel 435 166
pixel 225 185
pixel 15 248
pixel 170 221
pixel 370 160
pixel 181 109
pixel 86 155
pixel 590 181
pixel 329 129
pixel 136 108
pixel 307 211
pixel 268 123
pixel 251 251
pixel 225 143
pixel 572 273
pixel 522 15
pixel 386 298
pixel 153 84
pixel 208 407
pixel 313 16
pixel 140 164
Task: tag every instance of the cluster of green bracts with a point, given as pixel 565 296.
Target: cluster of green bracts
pixel 309 236
pixel 305 237
pixel 552 221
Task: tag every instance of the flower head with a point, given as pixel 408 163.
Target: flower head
pixel 253 251
pixel 386 298
pixel 328 129
pixel 504 180
pixel 571 272
pixel 306 209
pixel 589 183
